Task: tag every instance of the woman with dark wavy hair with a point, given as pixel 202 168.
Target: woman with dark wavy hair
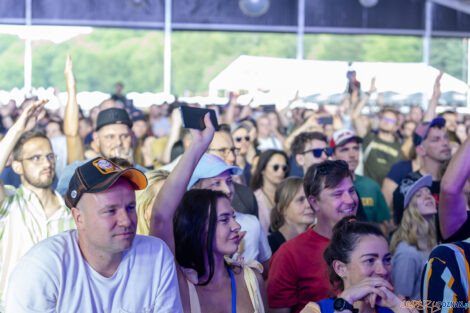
pixel 271 169
pixel 200 228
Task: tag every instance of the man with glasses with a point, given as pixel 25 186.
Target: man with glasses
pixel 381 148
pixel 298 273
pixel 33 211
pixel 310 148
pixel 222 145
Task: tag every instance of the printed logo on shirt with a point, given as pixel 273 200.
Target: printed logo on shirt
pixel 367 201
pixel 384 148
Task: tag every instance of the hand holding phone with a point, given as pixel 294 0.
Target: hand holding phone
pixel 194 117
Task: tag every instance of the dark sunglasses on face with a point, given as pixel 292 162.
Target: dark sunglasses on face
pixel 276 167
pixel 318 152
pixel 239 139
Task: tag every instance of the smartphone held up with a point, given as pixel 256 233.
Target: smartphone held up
pixel 194 117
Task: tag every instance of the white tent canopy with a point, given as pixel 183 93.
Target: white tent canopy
pixel 282 78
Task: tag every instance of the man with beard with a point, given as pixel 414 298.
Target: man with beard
pixel 113 135
pixel 33 211
pixel 381 149
pixel 432 144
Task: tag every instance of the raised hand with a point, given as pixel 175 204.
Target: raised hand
pixel 68 71
pixel 372 88
pixel 437 86
pixel 30 116
pixel 204 137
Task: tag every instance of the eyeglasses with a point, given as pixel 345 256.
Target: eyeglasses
pixel 226 151
pixel 38 158
pixel 325 167
pixel 239 139
pixel 389 120
pixel 318 152
pixel 284 167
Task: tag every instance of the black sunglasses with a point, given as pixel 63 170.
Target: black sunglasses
pixel 318 152
pixel 239 139
pixel 325 167
pixel 277 166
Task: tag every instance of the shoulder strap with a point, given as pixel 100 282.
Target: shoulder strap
pixel 253 289
pixel 193 298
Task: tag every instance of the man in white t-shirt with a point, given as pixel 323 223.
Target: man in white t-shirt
pixel 103 266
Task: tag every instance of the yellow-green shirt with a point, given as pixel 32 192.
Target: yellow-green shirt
pixel 23 223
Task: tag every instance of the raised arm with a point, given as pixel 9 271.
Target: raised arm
pixel 452 202
pixel 361 128
pixel 169 197
pixel 436 94
pixel 71 117
pixel 26 121
pixel 309 124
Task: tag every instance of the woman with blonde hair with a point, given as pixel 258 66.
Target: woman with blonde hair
pixel 292 213
pixel 146 197
pixel 415 238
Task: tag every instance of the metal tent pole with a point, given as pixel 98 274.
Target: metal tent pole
pixel 300 29
pixel 28 54
pixel 167 49
pixel 427 32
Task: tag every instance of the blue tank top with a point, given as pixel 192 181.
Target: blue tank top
pixel 326 306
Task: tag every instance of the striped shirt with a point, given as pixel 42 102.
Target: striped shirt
pixel 23 223
pixel 446 278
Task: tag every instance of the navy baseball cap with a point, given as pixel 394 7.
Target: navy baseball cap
pixel 97 175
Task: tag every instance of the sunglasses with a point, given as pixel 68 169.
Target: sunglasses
pixel 326 167
pixel 318 152
pixel 226 151
pixel 239 139
pixel 389 120
pixel 276 167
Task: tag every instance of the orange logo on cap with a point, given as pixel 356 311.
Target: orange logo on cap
pixel 105 167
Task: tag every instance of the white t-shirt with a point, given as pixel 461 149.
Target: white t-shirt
pixel 255 245
pixel 269 143
pixel 54 277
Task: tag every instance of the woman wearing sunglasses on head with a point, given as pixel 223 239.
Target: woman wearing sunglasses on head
pixel 359 266
pixel 271 169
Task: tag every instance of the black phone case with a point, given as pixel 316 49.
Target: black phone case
pixel 194 117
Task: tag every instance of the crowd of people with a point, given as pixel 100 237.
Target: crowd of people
pixel 292 210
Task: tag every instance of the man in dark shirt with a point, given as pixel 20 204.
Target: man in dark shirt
pixel 432 144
